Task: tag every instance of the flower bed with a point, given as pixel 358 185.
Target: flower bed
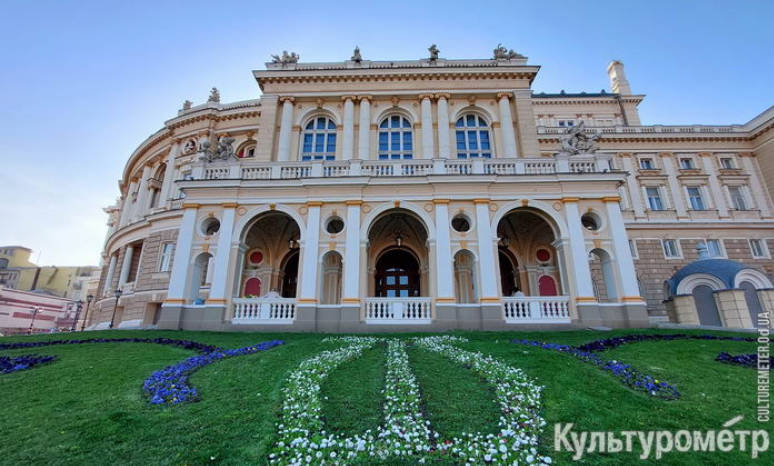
pixel 170 385
pixel 628 375
pixel 20 363
pixel 405 434
pixel 745 360
pixel 185 344
pixel 610 343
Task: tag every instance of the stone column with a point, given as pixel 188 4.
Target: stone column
pixel 427 127
pixel 674 185
pixel 584 290
pixel 525 120
pixel 364 130
pixel 351 274
pixel 506 125
pixel 759 193
pixel 141 207
pixel 181 264
pixel 311 246
pixel 719 200
pixel 125 266
pixel 169 175
pixel 221 263
pixel 109 278
pixel 624 261
pixel 127 207
pixel 486 259
pixel 347 142
pixel 286 127
pixel 635 195
pixel 444 266
pixel 443 126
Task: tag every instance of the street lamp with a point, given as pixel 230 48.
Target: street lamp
pixel 89 299
pixel 35 310
pixel 117 293
pixel 79 306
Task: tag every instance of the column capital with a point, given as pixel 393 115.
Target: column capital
pixel 369 98
pixel 353 203
pixel 441 201
pixel 314 204
pixel 746 154
pixel 287 99
pixel 229 205
pixel 565 200
pixel 705 154
pixel 345 98
pixel 665 154
pixel 625 154
pixel 422 97
pixel 481 201
pixel 611 199
pixel 501 95
pixel 443 95
pixel 191 205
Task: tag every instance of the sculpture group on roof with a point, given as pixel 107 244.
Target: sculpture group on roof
pixel 214 95
pixel 285 58
pixel 223 150
pixel 576 141
pixel 501 53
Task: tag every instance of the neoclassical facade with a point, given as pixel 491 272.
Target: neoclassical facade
pixel 426 194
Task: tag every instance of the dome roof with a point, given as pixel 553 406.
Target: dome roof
pixel 724 269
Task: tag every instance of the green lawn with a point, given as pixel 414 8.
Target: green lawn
pixel 87 406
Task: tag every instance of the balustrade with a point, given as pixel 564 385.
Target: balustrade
pixel 398 310
pixel 536 309
pixel 264 310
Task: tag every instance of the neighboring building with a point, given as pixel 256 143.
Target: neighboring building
pixel 21 311
pixel 18 272
pixel 426 194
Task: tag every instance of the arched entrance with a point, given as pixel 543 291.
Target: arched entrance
pixel 526 252
pixel 270 255
pixel 398 255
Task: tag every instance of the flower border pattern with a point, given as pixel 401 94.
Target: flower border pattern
pixel 749 360
pixel 610 343
pixel 10 364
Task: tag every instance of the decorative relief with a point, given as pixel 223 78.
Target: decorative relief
pixel 241 211
pixel 428 207
pixel 557 206
pixel 365 208
pixel 576 141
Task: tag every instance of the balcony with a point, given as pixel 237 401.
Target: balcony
pixel 537 310
pixel 249 170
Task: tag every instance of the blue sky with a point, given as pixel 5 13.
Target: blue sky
pixel 83 82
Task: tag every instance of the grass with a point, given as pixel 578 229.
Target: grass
pixel 87 406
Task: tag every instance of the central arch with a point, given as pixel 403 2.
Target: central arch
pixel 270 255
pixel 398 255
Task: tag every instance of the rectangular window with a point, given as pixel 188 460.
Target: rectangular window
pixel 737 197
pixel 670 248
pixel 166 257
pixel 727 163
pixel 686 164
pixel 714 249
pixel 758 248
pixel 654 199
pixel 694 195
pixel 647 164
pixel 633 248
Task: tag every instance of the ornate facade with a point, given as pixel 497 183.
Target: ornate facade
pixel 426 194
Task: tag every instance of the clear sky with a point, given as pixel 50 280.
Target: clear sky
pixel 83 83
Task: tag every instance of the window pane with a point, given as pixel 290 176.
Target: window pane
pixel 403 280
pixel 321 123
pixel 382 156
pixel 460 123
pixel 471 120
pixel 472 140
pixel 395 141
pixel 331 124
pixel 484 139
pixel 461 140
pixel 319 140
pixel 383 124
pixel 310 125
pixel 407 141
pixel 404 293
pixel 331 143
pixel 406 123
pixel 383 141
pixel 462 155
pixel 307 143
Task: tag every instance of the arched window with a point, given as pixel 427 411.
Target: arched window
pixel 395 138
pixel 319 139
pixel 473 139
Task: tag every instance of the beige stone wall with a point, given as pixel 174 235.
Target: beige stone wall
pixel 149 278
pixel 733 308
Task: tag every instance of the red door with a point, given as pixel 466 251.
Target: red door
pixel 546 286
pixel 253 287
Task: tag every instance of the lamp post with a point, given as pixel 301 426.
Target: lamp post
pixel 117 293
pixel 78 307
pixel 35 311
pixel 89 299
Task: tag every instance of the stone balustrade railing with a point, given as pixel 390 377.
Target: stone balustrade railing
pixel 264 310
pixel 246 170
pixel 536 309
pixel 398 310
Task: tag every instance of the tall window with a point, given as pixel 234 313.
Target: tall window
pixel 758 248
pixel 670 248
pixel 686 164
pixel 647 164
pixel 319 140
pixel 737 197
pixel 714 249
pixel 654 198
pixel 727 163
pixel 166 257
pixel 395 138
pixel 694 195
pixel 473 137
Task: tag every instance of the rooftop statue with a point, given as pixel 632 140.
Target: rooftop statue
pixel 501 53
pixel 576 141
pixel 214 95
pixel 187 105
pixel 285 58
pixel 433 52
pixel 356 57
pixel 224 150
